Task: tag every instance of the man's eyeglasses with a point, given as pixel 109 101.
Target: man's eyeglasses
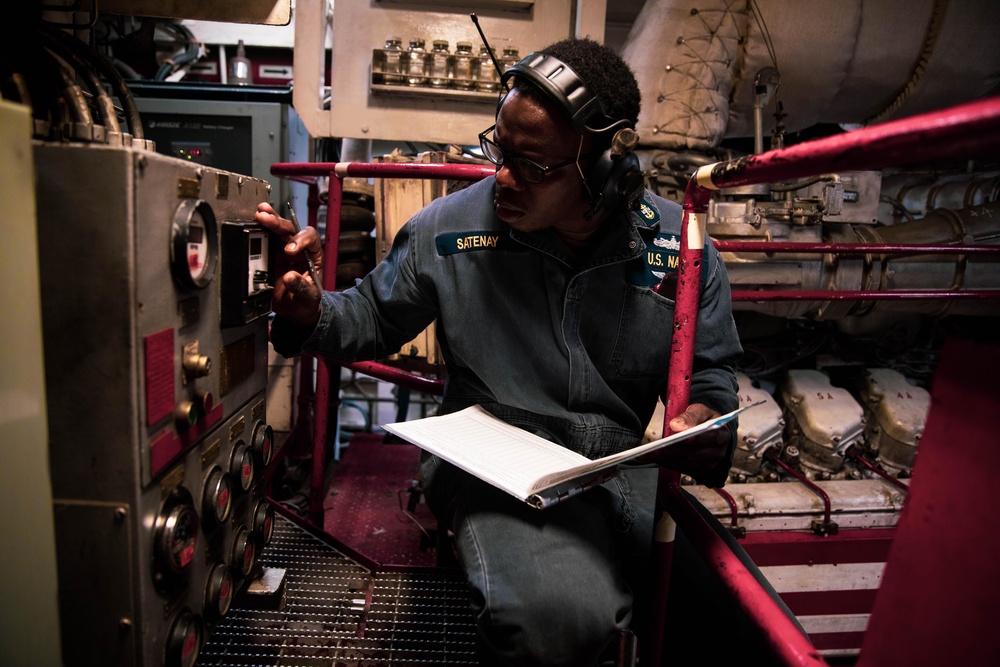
pixel 527 169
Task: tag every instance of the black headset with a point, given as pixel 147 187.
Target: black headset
pixel 615 180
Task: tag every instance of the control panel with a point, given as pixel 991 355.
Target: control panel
pixel 155 298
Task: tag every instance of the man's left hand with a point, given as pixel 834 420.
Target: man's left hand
pixel 698 455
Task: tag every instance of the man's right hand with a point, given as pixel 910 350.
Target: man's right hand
pixel 295 296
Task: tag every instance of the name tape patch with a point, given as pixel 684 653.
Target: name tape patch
pixel 449 244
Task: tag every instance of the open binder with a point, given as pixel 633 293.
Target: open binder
pixel 525 465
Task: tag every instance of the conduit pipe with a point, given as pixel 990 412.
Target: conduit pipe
pixel 909 249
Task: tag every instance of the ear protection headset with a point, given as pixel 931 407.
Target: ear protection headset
pixel 615 180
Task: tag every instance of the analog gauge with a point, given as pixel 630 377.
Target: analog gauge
pixel 219 591
pixel 193 244
pixel 184 640
pixel 263 442
pixel 241 465
pixel 263 522
pixel 217 498
pixel 244 552
pixel 178 537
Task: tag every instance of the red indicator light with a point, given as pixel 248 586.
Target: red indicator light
pixel 223 499
pixel 190 644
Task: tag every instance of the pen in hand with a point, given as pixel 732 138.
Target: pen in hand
pixel 312 267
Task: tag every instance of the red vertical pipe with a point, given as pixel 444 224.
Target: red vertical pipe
pixel 685 328
pixel 693 239
pixel 321 423
pixel 785 639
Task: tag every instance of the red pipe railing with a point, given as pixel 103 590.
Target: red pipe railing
pixel 399 377
pixel 308 172
pixel 963 131
pixel 960 132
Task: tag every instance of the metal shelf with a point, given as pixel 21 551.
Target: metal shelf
pixel 423 92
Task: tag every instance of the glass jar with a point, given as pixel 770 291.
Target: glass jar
pixel 390 62
pixel 510 57
pixel 418 65
pixel 486 75
pixel 439 58
pixel 461 73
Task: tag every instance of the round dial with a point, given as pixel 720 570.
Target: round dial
pixel 263 442
pixel 193 244
pixel 244 552
pixel 241 465
pixel 217 498
pixel 219 591
pixel 179 537
pixel 184 640
pixel 263 522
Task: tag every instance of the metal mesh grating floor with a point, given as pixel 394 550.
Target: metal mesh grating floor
pixel 339 614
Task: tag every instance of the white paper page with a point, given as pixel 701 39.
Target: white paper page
pixel 479 443
pixel 614 459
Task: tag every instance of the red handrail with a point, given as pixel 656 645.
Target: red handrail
pixel 309 172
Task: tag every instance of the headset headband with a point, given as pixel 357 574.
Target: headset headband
pixel 560 82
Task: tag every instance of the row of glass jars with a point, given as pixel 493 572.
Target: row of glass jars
pixel 439 67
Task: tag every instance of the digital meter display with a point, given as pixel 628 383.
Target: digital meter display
pixel 245 261
pixel 197 248
pixel 256 262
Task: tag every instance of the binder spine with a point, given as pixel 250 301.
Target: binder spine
pixel 558 494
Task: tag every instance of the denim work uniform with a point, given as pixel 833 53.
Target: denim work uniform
pixel 575 350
